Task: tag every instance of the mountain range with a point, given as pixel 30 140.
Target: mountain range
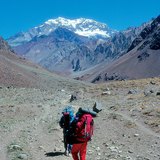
pixel 74 47
pixel 142 59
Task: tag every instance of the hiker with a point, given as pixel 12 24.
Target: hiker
pixel 65 121
pixel 83 133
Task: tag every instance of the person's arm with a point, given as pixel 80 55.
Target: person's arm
pixel 61 122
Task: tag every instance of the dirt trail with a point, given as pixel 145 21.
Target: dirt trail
pixel 141 126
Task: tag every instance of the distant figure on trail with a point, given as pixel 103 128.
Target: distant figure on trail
pixel 65 121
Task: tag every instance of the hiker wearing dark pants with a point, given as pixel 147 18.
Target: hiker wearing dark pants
pixel 66 146
pixel 66 119
pixel 65 129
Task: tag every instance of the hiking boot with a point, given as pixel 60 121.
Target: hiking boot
pixel 66 153
pixel 69 154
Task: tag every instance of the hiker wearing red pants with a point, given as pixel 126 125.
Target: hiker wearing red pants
pixel 83 134
pixel 79 150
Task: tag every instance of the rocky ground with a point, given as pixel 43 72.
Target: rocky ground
pixel 128 127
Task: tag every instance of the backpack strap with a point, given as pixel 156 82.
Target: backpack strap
pixel 90 133
pixel 85 128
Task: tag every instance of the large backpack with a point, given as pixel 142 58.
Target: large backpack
pixel 80 131
pixel 85 124
pixel 82 127
pixel 86 130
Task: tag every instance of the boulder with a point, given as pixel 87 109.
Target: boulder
pixel 73 97
pixel 132 91
pixel 158 94
pixel 23 156
pixel 106 93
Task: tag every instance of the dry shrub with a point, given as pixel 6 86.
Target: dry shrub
pixel 148 112
pixel 130 124
pixel 153 122
pixel 115 116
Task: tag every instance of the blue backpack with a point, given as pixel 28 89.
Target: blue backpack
pixel 67 117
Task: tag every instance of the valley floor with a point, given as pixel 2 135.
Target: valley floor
pixel 128 127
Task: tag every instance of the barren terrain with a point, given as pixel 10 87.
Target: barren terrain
pixel 128 127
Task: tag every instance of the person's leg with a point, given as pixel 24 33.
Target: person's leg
pixel 65 144
pixel 75 150
pixel 83 151
pixel 69 148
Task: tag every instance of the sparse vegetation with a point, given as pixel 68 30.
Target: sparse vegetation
pixel 130 124
pixel 29 117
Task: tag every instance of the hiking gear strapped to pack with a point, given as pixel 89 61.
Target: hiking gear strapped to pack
pixel 86 111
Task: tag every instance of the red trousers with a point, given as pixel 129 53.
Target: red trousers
pixel 80 149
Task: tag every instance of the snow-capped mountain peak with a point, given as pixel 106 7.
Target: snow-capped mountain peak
pixel 80 26
pixel 71 22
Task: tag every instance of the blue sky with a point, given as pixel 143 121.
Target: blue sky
pixel 21 15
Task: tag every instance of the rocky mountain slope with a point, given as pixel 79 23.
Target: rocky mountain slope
pixel 4 45
pixel 119 44
pixel 61 51
pixel 17 71
pixel 150 35
pixel 142 60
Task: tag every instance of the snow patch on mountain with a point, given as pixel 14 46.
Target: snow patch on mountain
pixel 89 33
